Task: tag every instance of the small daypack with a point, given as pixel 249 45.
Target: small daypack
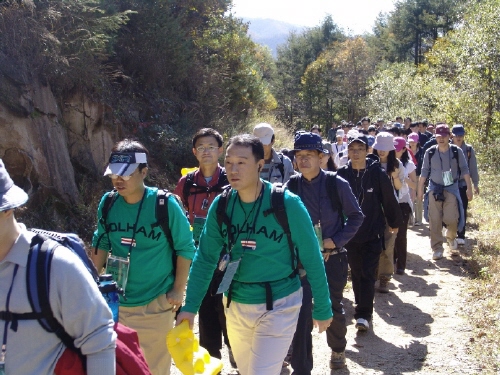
pixel 191 188
pixel 331 189
pixel 38 270
pixel 161 215
pixel 454 151
pixel 278 209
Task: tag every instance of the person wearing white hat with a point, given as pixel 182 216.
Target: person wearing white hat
pixel 75 300
pixel 277 167
pixel 339 145
pixel 130 243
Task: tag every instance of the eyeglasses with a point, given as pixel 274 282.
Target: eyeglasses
pixel 124 178
pixel 209 148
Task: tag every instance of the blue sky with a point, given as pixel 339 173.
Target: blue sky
pixel 354 16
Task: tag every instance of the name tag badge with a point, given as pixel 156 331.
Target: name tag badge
pixel 447 178
pixel 231 269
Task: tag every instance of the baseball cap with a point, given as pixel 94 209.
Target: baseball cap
pixel 413 137
pixel 125 163
pixel 355 136
pixel 11 195
pixel 458 129
pixel 340 133
pixel 264 132
pixel 308 141
pixel 442 130
pixel 399 143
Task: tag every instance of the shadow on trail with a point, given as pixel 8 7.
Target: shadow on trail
pixel 401 359
pixel 411 319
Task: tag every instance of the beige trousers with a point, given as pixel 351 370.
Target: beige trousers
pixel 439 213
pixel 386 262
pixel 152 323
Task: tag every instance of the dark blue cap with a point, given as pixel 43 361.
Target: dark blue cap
pixel 308 141
pixel 458 129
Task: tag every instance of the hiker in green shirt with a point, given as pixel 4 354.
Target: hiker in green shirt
pixel 130 240
pixel 263 298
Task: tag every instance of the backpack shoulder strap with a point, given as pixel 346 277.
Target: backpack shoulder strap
pixel 333 194
pixel 188 184
pixel 281 167
pixel 454 151
pixel 432 151
pixel 161 213
pixel 38 284
pixel 278 208
pixel 221 212
pixel 293 184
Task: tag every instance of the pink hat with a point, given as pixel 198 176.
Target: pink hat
pixel 413 137
pixel 399 143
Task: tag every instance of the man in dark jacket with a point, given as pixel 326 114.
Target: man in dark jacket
pixel 327 208
pixel 375 194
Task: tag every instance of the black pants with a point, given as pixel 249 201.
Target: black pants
pixel 401 243
pixel 363 259
pixel 302 357
pixel 465 203
pixel 212 324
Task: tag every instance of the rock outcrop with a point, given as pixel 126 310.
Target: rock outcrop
pixel 45 147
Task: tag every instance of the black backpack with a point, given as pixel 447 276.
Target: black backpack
pixel 454 151
pixel 161 214
pixel 279 211
pixel 331 189
pixel 190 187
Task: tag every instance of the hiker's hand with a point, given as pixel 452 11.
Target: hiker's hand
pixel 184 315
pixel 469 194
pixel 476 190
pixel 175 298
pixel 328 244
pixel 393 230
pixel 322 324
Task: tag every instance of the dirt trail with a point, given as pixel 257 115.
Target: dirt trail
pixel 419 327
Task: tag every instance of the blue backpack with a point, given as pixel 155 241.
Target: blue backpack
pixel 38 269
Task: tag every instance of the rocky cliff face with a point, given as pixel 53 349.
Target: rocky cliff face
pixel 45 147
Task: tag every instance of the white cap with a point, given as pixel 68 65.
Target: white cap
pixel 264 132
pixel 340 133
pixel 124 163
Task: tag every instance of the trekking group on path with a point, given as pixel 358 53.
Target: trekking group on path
pixel 247 246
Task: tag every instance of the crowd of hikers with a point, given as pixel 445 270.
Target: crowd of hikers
pixel 247 246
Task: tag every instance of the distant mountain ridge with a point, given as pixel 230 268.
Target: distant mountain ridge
pixel 270 32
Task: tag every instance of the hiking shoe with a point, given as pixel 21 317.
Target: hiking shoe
pixel 460 241
pixel 400 271
pixel 417 223
pixel 231 358
pixel 362 325
pixel 453 245
pixel 337 360
pixel 437 255
pixel 383 285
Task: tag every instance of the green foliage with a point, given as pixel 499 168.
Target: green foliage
pixel 293 59
pixel 413 27
pixel 336 82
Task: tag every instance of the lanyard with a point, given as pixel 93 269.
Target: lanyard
pixel 134 227
pixel 259 201
pixel 4 341
pixel 449 156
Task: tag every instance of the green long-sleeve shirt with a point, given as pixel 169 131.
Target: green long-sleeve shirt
pixel 270 261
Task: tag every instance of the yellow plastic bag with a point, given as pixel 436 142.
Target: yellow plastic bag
pixel 185 171
pixel 189 357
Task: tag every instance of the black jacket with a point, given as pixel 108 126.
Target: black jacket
pixel 373 189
